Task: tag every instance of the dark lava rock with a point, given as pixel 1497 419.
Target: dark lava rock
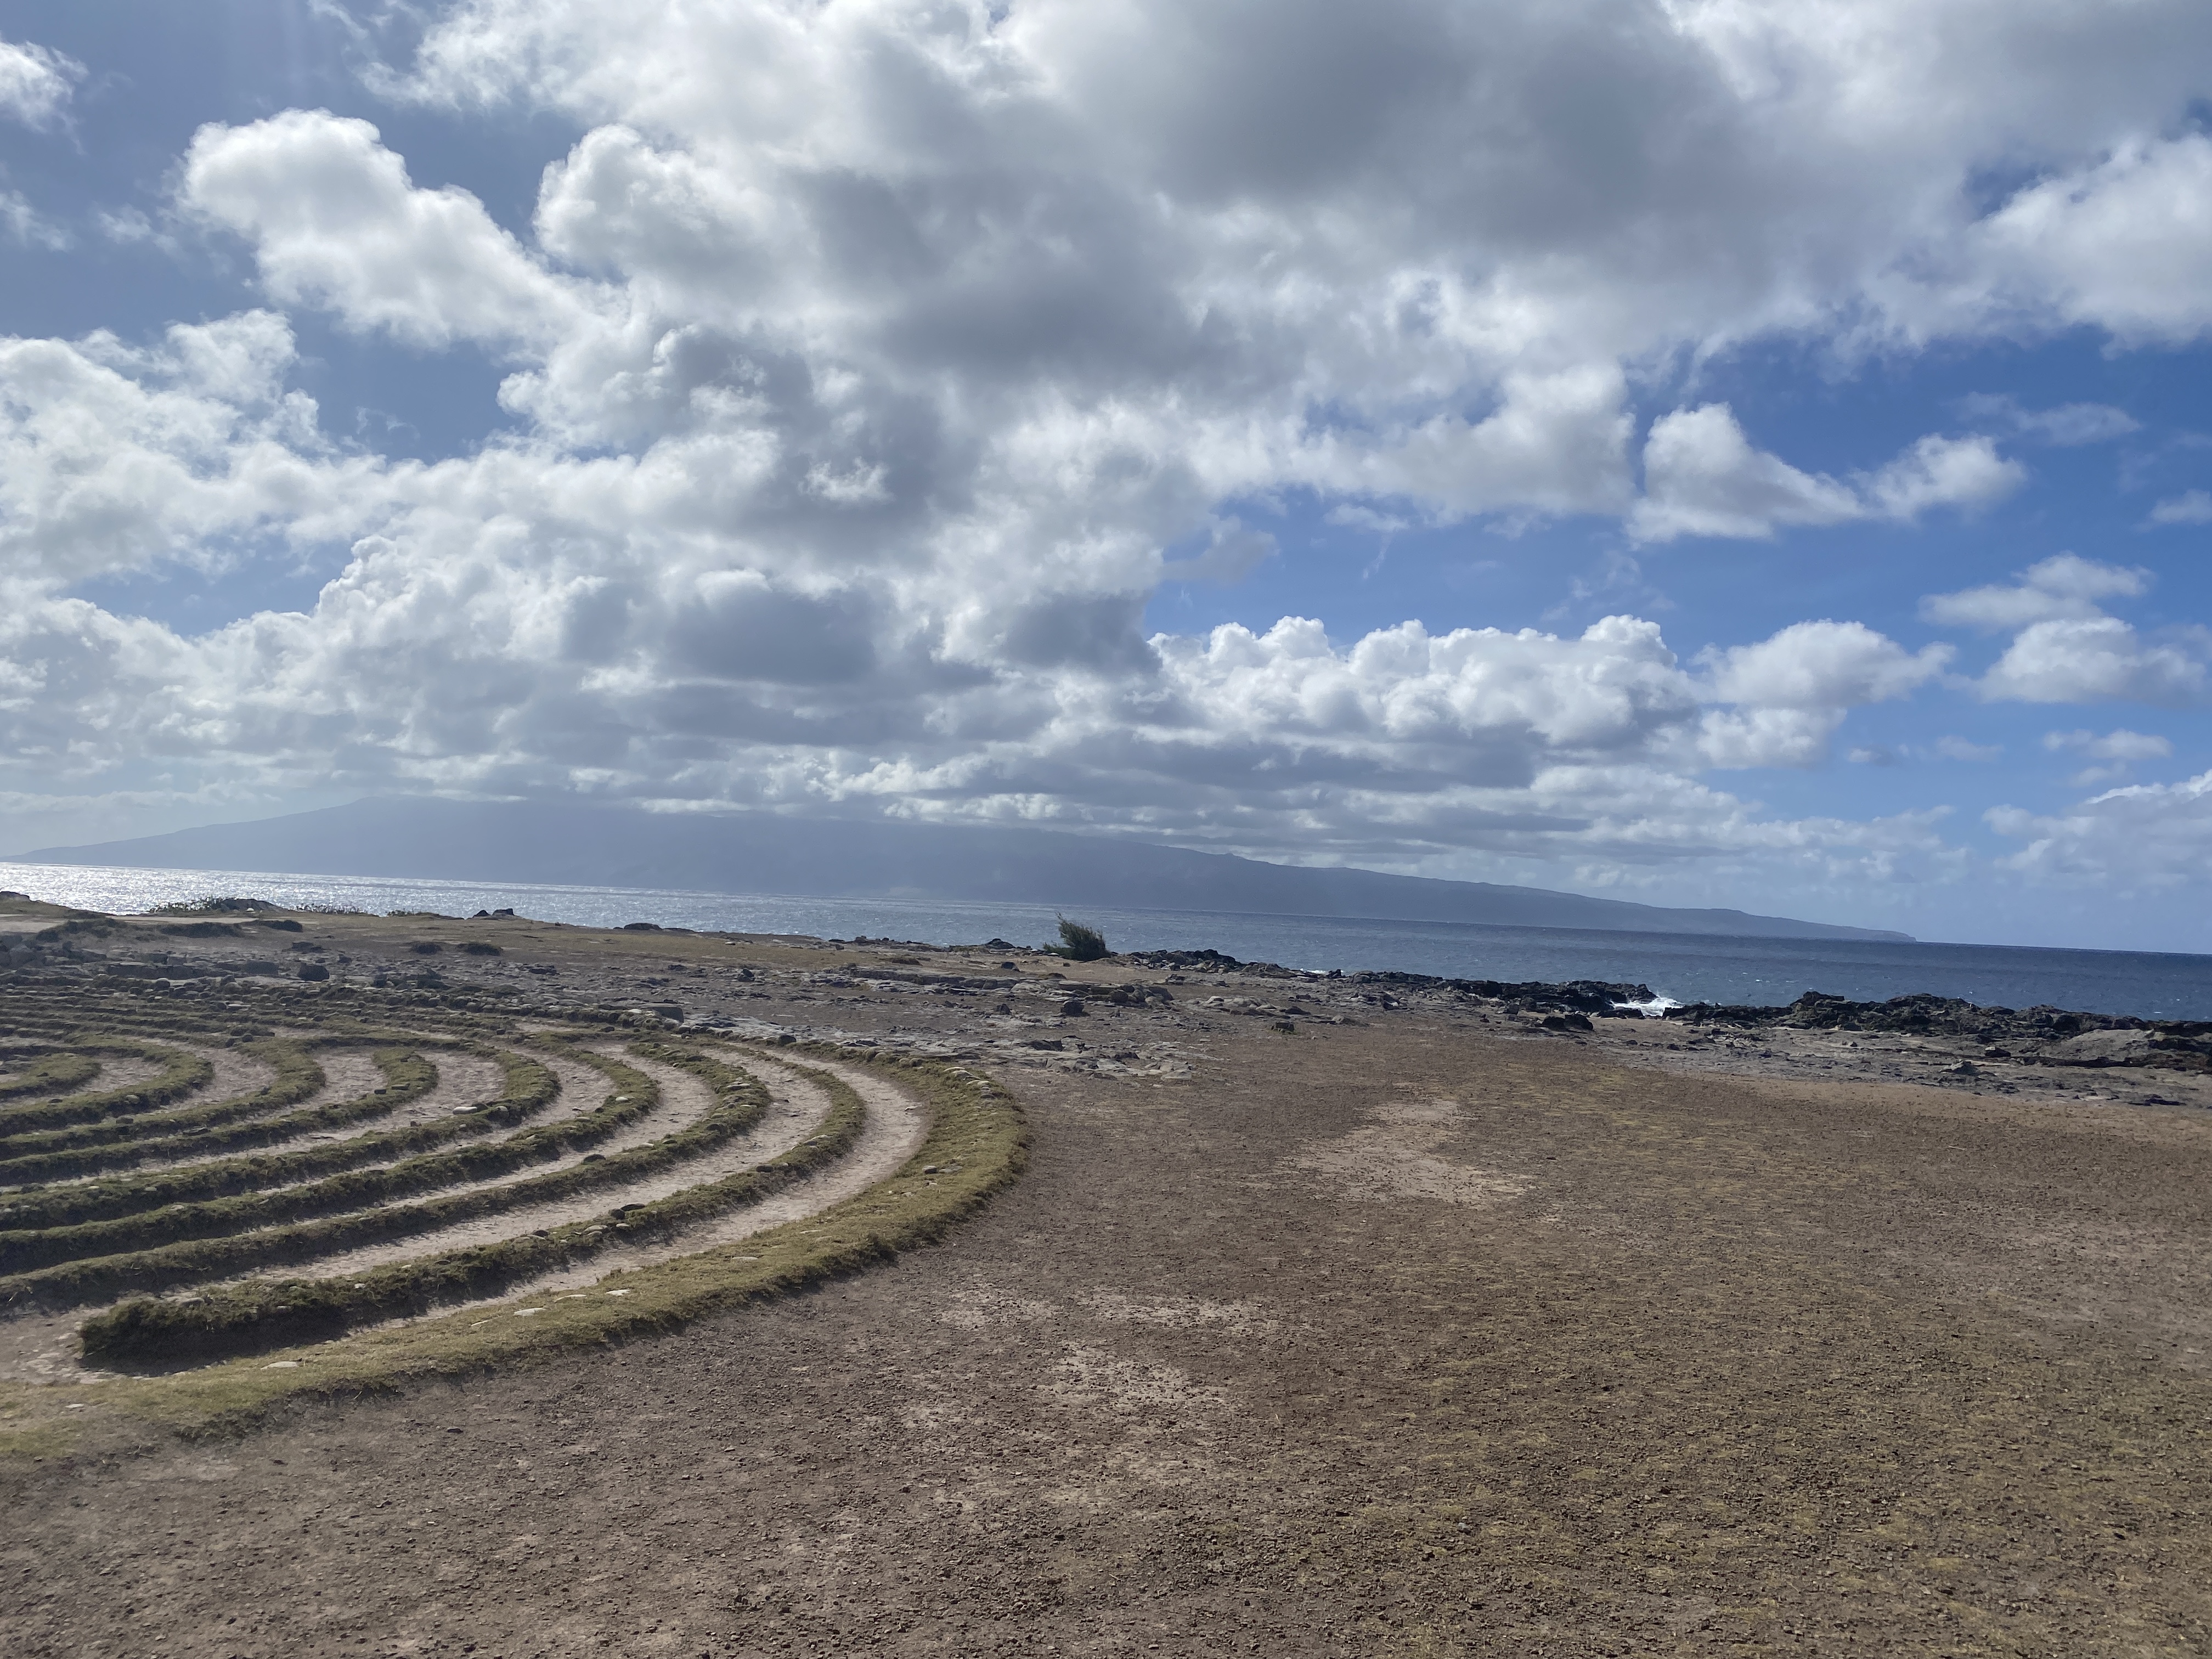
pixel 2177 1044
pixel 1203 962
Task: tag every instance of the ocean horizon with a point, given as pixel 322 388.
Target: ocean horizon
pixel 1678 967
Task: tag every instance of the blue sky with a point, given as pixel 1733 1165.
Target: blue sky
pixel 1700 454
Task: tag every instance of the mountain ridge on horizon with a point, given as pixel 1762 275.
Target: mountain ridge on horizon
pixel 761 853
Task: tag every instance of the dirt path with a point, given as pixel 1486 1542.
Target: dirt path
pixel 1418 1336
pixel 464 1079
pixel 39 1345
pixel 234 1074
pixel 895 1125
pixel 346 1075
pixel 685 1099
pixel 116 1071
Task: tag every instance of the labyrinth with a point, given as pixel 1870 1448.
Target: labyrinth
pixel 212 1203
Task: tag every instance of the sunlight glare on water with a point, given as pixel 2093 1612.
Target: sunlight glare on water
pixel 1684 967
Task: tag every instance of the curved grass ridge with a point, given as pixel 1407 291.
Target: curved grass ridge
pixel 259 1314
pixel 49 1073
pixel 73 1284
pixel 201 1141
pixel 42 1157
pixel 532 1087
pixel 976 1139
pixel 407 1078
pixel 180 1074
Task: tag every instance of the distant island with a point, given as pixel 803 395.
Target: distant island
pixel 565 843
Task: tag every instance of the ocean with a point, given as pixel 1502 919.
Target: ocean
pixel 1680 967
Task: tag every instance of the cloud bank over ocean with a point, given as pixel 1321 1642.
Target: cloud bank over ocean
pixel 889 407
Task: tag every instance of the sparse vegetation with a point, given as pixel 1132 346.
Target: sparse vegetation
pixel 180 1072
pixel 977 1143
pixel 86 1147
pixel 1080 944
pixel 47 1073
pixel 217 1222
pixel 407 1078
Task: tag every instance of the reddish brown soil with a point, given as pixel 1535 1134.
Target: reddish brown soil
pixel 1371 1339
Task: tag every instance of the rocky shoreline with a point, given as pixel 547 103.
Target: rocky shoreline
pixel 1134 1014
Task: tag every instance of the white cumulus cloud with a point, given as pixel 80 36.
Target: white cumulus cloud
pixel 2123 245
pixel 336 222
pixel 113 457
pixel 2066 648
pixel 871 365
pixel 2098 660
pixel 2146 837
pixel 2064 585
pixel 1703 478
pixel 1791 691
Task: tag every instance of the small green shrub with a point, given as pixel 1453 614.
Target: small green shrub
pixel 1080 944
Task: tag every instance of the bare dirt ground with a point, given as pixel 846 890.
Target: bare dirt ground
pixel 1418 1335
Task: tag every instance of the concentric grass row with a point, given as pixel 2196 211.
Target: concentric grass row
pixel 194 1260
pixel 255 1315
pixel 408 1076
pixel 75 1150
pixel 974 1134
pixel 206 1141
pixel 49 1073
pixel 179 1075
pixel 29 1243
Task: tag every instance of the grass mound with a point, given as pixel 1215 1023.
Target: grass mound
pixel 245 1277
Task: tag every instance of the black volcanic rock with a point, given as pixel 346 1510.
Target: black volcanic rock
pixel 2065 1035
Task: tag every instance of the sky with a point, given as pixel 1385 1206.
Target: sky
pixel 1701 451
